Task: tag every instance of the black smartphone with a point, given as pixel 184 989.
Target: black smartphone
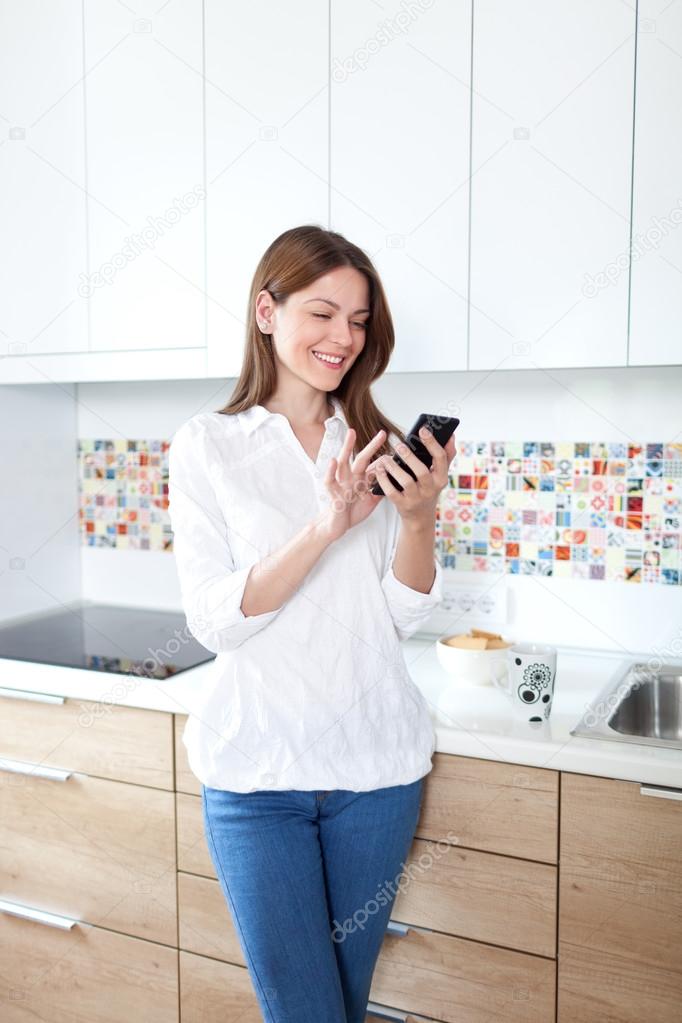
pixel 442 428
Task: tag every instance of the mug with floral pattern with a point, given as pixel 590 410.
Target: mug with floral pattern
pixel 527 677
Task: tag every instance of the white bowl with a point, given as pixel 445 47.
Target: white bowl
pixel 469 667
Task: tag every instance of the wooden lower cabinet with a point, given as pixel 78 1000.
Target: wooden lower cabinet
pixel 470 894
pixel 620 902
pixel 496 899
pixel 450 978
pixel 86 973
pixel 100 851
pixel 460 981
pixel 481 941
pixel 599 987
pixel 185 780
pixel 386 1015
pixel 483 804
pixel 215 992
pixel 105 740
pixel 480 910
pixel 205 922
pixel 193 852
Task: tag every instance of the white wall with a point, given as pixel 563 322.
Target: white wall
pixel 610 405
pixel 39 537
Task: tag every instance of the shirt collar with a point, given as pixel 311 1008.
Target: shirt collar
pixel 256 415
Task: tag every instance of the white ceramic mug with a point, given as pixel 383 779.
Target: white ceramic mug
pixel 527 678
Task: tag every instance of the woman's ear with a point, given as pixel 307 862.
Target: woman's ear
pixel 264 308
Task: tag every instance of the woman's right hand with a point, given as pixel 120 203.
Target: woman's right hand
pixel 349 487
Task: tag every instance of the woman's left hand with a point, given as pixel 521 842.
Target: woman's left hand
pixel 419 498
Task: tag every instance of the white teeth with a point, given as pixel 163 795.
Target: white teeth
pixel 335 360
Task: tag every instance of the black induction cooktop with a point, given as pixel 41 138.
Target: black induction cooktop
pixel 106 637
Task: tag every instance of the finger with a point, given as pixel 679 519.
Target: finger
pixel 408 456
pixel 396 472
pixel 345 452
pixel 383 478
pixel 360 463
pixel 330 477
pixel 432 445
pixel 372 465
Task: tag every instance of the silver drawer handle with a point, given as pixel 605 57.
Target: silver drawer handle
pixel 383 1012
pixel 64 923
pixel 25 694
pixel 660 791
pixel 36 770
pixel 393 927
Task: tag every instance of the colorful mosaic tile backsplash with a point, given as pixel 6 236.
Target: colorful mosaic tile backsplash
pixel 124 494
pixel 571 510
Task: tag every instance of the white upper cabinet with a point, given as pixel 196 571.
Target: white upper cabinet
pixel 42 180
pixel 656 288
pixel 400 164
pixel 144 131
pixel 487 155
pixel 552 124
pixel 267 145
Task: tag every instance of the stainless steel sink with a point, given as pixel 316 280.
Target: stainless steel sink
pixel 641 705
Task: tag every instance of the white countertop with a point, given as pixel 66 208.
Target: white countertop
pixel 473 722
pixel 477 721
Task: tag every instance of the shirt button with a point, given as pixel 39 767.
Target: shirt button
pixel 268 779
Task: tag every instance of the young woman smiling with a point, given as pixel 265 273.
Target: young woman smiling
pixel 309 738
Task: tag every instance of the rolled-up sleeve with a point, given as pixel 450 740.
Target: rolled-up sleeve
pixel 211 586
pixel 409 608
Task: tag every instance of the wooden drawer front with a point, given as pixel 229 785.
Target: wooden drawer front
pixel 185 781
pixel 193 854
pixel 460 981
pixel 205 923
pixel 480 895
pixel 597 987
pixel 96 850
pixel 502 808
pixel 213 992
pixel 101 739
pixel 619 899
pixel 59 976
pixel 400 1017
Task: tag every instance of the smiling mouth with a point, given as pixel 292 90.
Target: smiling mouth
pixel 333 363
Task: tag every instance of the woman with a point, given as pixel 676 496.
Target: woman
pixel 309 737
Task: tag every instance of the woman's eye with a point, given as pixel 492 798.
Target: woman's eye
pixel 326 316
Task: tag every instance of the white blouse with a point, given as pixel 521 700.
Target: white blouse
pixel 315 694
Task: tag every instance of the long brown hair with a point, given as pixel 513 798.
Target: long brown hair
pixel 292 262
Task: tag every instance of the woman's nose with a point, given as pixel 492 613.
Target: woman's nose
pixel 341 334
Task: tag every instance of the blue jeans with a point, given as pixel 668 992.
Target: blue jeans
pixel 309 878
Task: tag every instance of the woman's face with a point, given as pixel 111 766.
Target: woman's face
pixel 328 317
